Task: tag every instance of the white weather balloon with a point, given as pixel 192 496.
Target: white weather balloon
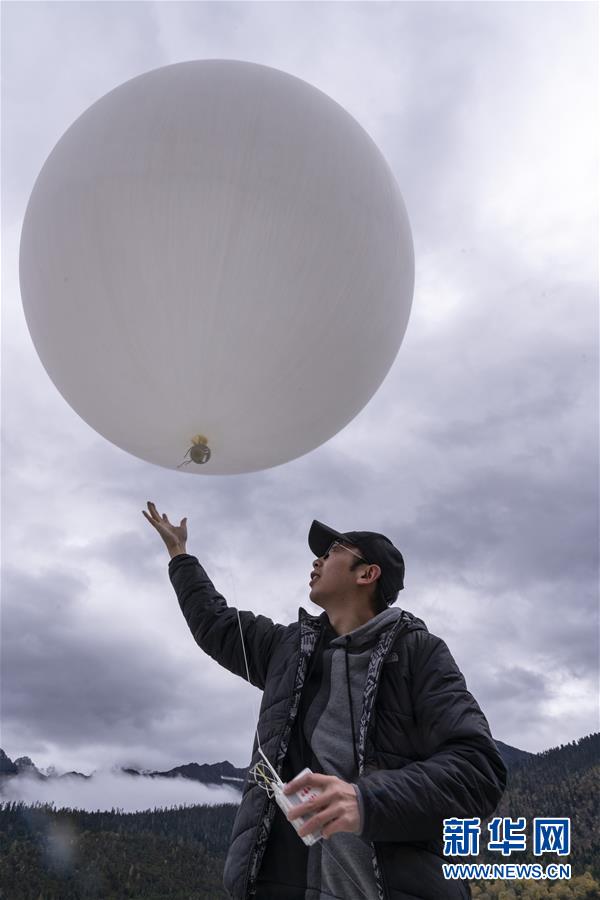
pixel 216 248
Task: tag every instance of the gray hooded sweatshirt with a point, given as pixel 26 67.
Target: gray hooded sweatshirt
pixel 342 866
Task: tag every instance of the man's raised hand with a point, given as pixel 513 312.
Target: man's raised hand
pixel 174 536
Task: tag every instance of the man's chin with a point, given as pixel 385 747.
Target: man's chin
pixel 313 596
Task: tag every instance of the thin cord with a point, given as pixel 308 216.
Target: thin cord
pixel 243 644
pixel 263 777
pixel 234 593
pixel 248 675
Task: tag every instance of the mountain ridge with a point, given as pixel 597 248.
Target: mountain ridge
pixel 204 773
pixel 216 773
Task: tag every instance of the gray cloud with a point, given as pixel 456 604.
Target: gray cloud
pixel 113 790
pixel 478 454
pixel 76 677
pixel 101 44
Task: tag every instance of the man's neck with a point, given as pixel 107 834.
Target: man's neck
pixel 347 618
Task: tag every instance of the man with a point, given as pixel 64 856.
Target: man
pixel 370 701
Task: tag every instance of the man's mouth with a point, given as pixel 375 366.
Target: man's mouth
pixel 313 578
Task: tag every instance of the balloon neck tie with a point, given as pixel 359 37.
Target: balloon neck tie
pixel 198 453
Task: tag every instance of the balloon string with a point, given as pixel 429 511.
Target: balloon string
pixel 185 461
pixel 234 598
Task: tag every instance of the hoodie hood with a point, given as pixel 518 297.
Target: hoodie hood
pixel 366 635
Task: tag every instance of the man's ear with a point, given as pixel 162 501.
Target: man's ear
pixel 370 574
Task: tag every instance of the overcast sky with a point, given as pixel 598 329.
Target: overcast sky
pixel 478 456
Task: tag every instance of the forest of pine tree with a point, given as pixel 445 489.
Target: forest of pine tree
pixel 178 853
pixel 66 854
pixel 563 782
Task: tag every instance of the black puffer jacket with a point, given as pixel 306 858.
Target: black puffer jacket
pixel 425 749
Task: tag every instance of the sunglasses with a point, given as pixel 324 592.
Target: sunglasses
pixel 337 545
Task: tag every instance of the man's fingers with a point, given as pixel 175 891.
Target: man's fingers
pixel 157 524
pixel 157 519
pixel 309 827
pixel 153 510
pixel 335 808
pixel 332 827
pixel 328 819
pixel 154 518
pixel 311 779
pixel 310 807
pixel 156 515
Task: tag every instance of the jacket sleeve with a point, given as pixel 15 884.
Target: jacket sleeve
pixel 215 625
pixel 460 772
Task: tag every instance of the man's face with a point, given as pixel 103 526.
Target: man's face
pixel 332 574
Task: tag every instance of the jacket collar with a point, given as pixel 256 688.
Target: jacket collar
pixel 406 620
pixel 305 618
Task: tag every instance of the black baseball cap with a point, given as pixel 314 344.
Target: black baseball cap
pixel 376 548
